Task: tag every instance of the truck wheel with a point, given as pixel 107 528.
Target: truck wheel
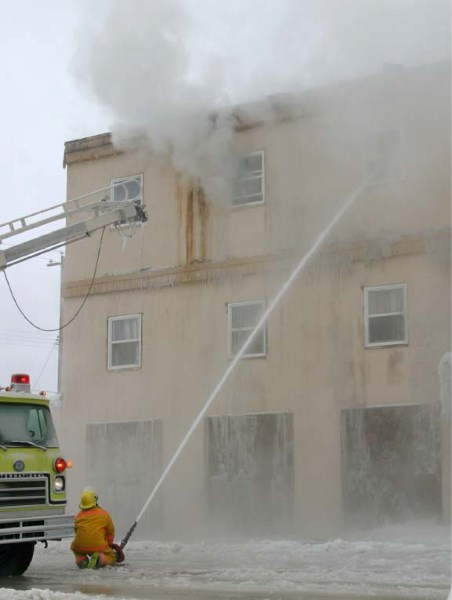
pixel 15 558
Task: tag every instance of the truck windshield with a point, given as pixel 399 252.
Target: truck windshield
pixel 28 424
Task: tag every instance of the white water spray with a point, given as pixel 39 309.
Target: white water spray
pixel 305 259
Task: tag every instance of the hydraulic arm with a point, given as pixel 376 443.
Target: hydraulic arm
pixel 106 213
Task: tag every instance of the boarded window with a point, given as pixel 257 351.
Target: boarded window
pixel 124 462
pixel 391 463
pixel 385 315
pixel 124 342
pixel 250 180
pixel 250 473
pixel 243 318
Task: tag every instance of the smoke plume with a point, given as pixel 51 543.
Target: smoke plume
pixel 165 67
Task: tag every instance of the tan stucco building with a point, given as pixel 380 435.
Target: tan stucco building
pixel 331 416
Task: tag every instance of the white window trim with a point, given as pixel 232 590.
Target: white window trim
pixel 402 286
pixel 231 305
pixel 255 203
pixel 115 180
pixel 119 179
pixel 110 343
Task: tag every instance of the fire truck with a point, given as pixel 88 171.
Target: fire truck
pixel 32 468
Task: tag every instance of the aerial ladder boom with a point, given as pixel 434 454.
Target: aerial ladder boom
pixel 105 213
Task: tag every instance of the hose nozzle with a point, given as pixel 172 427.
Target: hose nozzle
pixel 128 534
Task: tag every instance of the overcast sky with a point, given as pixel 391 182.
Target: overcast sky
pixel 161 54
pixel 40 110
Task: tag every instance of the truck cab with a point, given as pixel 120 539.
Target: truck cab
pixel 32 477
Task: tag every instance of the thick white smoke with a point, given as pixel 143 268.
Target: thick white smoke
pixel 137 63
pixel 164 66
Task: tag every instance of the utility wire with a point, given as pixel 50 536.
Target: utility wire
pixel 12 337
pixel 11 343
pixel 27 337
pixel 79 308
pixel 45 362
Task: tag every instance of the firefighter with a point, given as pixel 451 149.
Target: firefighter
pixel 94 534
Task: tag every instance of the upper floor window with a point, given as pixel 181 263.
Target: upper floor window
pixel 385 315
pixel 382 157
pixel 127 188
pixel 124 342
pixel 250 180
pixel 243 318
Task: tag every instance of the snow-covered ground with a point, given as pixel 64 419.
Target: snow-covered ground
pixel 393 562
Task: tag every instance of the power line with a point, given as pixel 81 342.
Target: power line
pixel 12 342
pixel 27 333
pixel 12 338
pixel 17 345
pixel 45 363
pixel 46 337
pixel 79 308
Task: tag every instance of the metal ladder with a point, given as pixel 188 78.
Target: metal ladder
pixel 104 213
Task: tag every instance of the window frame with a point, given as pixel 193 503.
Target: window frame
pixel 262 178
pixel 231 306
pixel 141 203
pixel 110 342
pixel 392 286
pixel 374 138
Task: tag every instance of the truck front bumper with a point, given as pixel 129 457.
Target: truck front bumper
pixel 36 529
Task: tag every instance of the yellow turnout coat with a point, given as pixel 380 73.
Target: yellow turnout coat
pixel 94 531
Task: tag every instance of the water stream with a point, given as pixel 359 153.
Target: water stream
pixel 272 305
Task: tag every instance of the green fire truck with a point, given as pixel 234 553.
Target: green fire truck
pixel 32 469
pixel 32 477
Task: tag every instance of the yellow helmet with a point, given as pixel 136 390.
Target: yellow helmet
pixel 88 499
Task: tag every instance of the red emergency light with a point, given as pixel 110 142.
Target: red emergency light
pixel 20 378
pixel 59 465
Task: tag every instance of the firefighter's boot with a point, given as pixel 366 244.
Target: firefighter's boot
pixel 93 561
pixel 82 561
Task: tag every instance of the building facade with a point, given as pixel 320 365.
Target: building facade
pixel 332 414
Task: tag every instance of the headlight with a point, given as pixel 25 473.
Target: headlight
pixel 58 484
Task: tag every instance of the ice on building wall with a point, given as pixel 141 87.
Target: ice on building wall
pixel 124 461
pixel 390 463
pixel 250 472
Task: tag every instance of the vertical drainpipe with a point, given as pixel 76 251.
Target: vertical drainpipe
pixel 203 216
pixel 189 226
pixel 445 388
pixel 179 204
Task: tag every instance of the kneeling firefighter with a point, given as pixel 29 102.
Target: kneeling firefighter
pixel 93 545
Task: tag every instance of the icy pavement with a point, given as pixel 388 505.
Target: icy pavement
pixel 388 563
